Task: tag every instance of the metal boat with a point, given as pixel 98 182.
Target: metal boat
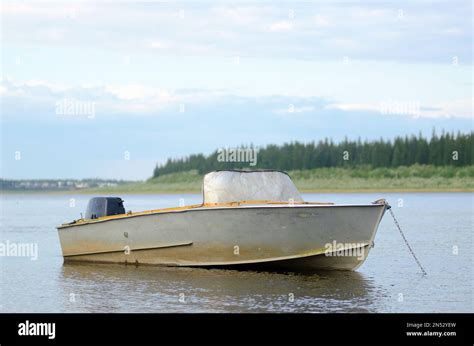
pixel 251 218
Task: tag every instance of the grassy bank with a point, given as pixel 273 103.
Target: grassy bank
pixel 413 178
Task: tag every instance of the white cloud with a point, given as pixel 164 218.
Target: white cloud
pixel 453 31
pixel 354 107
pixel 126 98
pixel 292 109
pixel 321 21
pixel 52 34
pixel 139 92
pixel 32 83
pixel 346 44
pixel 143 98
pixel 459 108
pixel 156 44
pixel 370 31
pixel 283 25
pixel 242 16
pixel 42 9
pixel 183 47
pixel 374 13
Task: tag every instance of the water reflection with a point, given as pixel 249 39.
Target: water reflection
pixel 433 223
pixel 120 288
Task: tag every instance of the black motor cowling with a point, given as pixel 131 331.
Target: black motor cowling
pixel 104 206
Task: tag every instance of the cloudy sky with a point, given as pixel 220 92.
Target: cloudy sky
pixel 109 88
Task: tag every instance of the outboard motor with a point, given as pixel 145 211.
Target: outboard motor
pixel 104 206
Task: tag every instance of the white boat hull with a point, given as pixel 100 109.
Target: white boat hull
pixel 303 236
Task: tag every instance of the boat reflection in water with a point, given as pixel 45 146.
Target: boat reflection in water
pixel 127 288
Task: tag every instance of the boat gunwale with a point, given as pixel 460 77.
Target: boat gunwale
pixel 216 206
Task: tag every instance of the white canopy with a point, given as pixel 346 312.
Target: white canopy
pixel 235 186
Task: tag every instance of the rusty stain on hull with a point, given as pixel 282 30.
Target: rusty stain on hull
pixel 207 257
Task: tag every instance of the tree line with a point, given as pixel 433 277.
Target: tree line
pixel 439 150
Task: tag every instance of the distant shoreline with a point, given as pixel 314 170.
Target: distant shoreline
pixel 415 178
pixel 193 192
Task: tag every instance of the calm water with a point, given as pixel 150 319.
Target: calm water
pixel 438 225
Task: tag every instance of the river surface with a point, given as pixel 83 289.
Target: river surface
pixel 439 226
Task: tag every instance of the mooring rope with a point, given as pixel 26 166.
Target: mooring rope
pixel 406 242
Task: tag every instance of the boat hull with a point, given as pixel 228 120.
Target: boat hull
pixel 286 237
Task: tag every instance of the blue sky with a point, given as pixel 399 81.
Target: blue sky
pixel 167 79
